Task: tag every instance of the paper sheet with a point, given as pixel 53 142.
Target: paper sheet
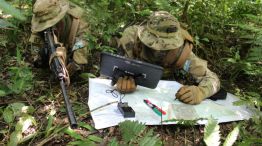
pixel 163 96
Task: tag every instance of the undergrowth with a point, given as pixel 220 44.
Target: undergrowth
pixel 226 33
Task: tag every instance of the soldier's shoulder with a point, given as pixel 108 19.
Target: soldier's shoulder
pixel 131 30
pixel 75 10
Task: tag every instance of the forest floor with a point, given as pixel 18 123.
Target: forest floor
pixel 46 94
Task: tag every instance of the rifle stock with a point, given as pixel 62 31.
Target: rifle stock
pixel 56 67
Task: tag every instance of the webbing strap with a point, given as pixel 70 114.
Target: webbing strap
pixel 73 31
pixel 177 57
pixel 184 55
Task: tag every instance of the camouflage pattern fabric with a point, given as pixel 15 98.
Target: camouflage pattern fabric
pixel 66 12
pixel 129 43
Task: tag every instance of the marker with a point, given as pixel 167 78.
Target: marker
pixel 155 108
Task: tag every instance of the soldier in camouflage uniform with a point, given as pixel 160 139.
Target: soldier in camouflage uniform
pixel 65 19
pixel 162 41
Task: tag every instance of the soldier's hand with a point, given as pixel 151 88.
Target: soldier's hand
pixel 190 94
pixel 126 84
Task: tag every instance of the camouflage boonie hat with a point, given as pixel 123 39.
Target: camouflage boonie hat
pixel 163 32
pixel 47 13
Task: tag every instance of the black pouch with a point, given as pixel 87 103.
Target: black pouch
pixel 220 95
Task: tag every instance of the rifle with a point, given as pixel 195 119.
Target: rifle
pixel 56 67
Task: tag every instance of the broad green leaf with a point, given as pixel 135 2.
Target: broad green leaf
pixel 95 138
pixel 18 108
pixel 85 125
pixel 15 138
pixel 87 75
pixel 8 115
pixel 25 122
pixel 7 8
pixel 211 133
pixel 232 137
pixel 73 134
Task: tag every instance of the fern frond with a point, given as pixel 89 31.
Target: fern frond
pixel 232 137
pixel 149 140
pixel 253 18
pixel 131 129
pixel 255 54
pixel 248 27
pixel 211 133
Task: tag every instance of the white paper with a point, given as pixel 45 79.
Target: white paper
pixel 164 97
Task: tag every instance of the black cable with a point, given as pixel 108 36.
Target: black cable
pixel 116 94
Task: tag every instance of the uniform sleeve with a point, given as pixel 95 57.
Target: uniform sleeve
pixel 205 78
pixel 127 42
pixel 80 47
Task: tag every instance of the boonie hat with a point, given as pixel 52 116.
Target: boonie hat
pixel 47 13
pixel 163 32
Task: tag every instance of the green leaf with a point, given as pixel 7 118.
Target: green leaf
pixel 3 93
pixel 149 139
pixel 250 141
pixel 87 75
pixel 131 129
pixel 205 39
pixel 15 138
pixel 8 115
pixel 232 137
pixel 85 125
pixel 5 24
pixel 3 131
pixel 211 133
pixel 25 122
pixel 18 108
pixel 73 134
pixel 95 138
pixel 49 125
pixel 4 90
pixel 82 143
pixel 7 8
pixel 113 142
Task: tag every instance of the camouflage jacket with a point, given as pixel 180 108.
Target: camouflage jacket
pixel 195 66
pixel 77 50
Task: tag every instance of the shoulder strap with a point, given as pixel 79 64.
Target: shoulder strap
pixel 73 31
pixel 137 47
pixel 76 12
pixel 184 54
pixel 177 57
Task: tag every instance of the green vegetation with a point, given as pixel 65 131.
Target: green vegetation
pixel 227 33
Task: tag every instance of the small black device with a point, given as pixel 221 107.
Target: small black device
pixel 126 110
pixel 145 74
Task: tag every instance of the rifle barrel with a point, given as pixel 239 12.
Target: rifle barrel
pixel 56 67
pixel 70 113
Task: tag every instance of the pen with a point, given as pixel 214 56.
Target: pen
pixel 155 108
